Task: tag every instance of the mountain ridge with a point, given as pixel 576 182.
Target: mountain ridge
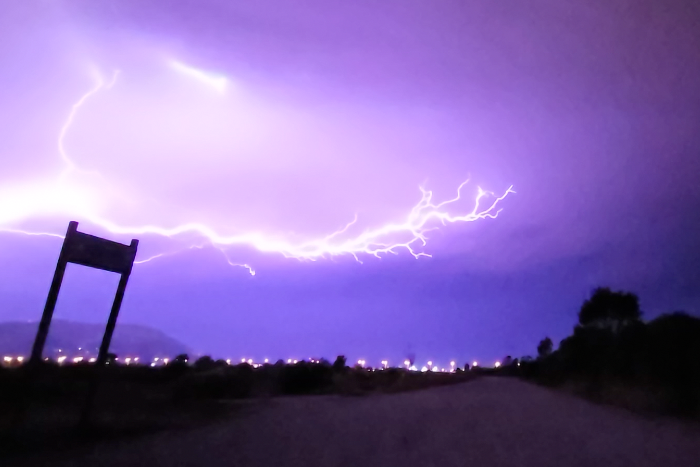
pixel 75 338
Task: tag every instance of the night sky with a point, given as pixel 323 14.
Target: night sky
pixel 284 120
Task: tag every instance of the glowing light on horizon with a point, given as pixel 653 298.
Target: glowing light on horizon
pixel 408 235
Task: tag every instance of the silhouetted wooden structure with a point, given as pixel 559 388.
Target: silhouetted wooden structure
pixel 94 252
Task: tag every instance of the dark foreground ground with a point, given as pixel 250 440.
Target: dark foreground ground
pixel 487 422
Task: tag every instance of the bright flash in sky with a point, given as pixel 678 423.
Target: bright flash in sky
pixel 217 82
pixel 83 194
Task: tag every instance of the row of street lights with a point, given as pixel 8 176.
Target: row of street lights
pixel 8 360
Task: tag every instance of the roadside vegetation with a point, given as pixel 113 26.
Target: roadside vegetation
pixel 616 357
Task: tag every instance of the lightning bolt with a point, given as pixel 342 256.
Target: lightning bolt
pixel 99 85
pixel 409 235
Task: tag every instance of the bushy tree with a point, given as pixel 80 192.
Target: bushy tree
pixel 340 363
pixel 204 363
pixel 610 310
pixel 545 347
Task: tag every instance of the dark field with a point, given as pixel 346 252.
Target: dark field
pixel 486 422
pixel 137 400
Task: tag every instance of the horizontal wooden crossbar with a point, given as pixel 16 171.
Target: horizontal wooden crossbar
pixel 95 252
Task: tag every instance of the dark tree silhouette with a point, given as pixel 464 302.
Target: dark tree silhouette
pixel 204 363
pixel 610 310
pixel 545 347
pixel 339 364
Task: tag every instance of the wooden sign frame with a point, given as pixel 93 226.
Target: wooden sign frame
pixel 94 252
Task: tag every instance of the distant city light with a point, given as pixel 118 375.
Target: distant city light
pixel 250 361
pixel 424 369
pixel 8 359
pixel 289 360
pixel 62 359
pixel 266 360
pixel 497 364
pixel 77 359
pixel 430 363
pixel 435 368
pixel 166 360
pixel 127 360
pixel 20 359
pixel 452 363
pixel 155 359
pixel 475 364
pixel 228 361
pixel 153 364
pixel 407 363
pixel 92 360
pixel 242 360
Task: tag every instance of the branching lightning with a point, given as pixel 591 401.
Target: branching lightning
pixel 408 235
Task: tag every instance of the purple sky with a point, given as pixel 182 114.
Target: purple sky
pixel 590 109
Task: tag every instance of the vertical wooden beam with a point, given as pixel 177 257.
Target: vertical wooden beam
pixel 51 299
pixel 112 321
pixel 104 347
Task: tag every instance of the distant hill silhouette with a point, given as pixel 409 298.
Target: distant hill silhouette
pixel 133 340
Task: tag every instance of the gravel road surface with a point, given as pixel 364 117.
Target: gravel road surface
pixel 483 423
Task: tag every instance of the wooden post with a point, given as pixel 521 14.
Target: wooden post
pixel 104 347
pixel 51 299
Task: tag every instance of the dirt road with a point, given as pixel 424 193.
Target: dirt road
pixel 488 422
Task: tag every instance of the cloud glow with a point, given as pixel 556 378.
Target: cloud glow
pixel 79 194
